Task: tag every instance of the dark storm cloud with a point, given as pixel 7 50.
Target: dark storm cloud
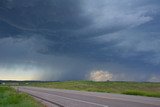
pixel 40 15
pixel 59 21
pixel 87 34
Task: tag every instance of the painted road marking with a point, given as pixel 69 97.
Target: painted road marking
pixel 111 98
pixel 81 101
pixel 72 99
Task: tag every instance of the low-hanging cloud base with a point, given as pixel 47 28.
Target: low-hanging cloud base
pixel 83 39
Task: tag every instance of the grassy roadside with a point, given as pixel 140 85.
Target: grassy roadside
pixel 10 98
pixel 129 88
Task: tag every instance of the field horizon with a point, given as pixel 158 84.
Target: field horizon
pixel 149 89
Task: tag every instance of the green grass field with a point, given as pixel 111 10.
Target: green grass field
pixel 130 88
pixel 10 98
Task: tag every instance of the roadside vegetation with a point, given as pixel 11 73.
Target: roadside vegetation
pixel 130 88
pixel 9 97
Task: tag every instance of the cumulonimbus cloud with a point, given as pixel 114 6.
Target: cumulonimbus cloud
pixel 100 76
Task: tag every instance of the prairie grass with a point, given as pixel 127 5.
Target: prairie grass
pixel 9 97
pixel 130 88
pixel 142 93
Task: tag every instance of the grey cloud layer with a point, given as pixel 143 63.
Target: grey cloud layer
pixel 96 33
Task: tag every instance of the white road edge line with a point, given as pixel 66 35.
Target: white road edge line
pixel 82 101
pixel 75 99
pixel 122 99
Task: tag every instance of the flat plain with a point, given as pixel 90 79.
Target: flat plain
pixel 149 89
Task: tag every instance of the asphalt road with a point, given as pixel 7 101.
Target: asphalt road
pixel 70 98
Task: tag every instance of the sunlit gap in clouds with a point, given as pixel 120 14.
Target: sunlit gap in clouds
pixel 19 72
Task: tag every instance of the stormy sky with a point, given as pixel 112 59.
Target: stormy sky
pixel 116 40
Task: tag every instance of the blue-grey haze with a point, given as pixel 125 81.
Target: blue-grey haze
pixel 68 39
